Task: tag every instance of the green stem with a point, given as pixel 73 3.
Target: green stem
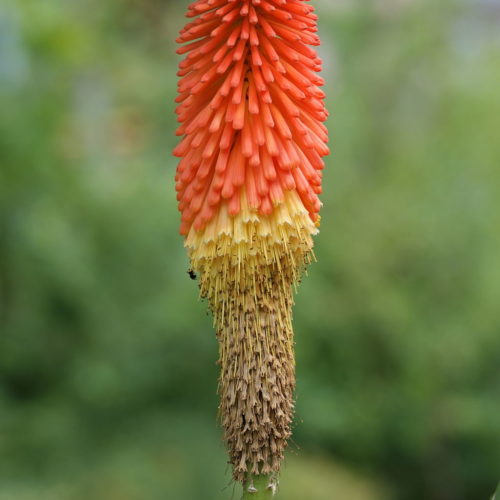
pixel 258 487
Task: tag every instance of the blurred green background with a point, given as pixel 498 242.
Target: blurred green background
pixel 107 360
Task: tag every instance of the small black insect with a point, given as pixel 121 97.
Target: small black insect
pixel 192 274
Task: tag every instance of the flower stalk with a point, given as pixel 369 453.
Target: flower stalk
pixel 248 180
pixel 259 487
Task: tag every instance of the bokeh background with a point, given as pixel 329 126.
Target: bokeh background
pixel 107 359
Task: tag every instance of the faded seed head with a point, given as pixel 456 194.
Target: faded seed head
pixel 249 282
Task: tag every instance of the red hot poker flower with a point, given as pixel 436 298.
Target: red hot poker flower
pixel 253 138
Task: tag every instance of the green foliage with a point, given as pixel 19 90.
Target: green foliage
pixel 107 361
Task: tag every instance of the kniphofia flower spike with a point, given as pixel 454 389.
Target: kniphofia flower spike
pixel 253 138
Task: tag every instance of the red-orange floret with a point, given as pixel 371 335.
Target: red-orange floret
pixel 250 108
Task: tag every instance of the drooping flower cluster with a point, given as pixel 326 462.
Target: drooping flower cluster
pixel 253 138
